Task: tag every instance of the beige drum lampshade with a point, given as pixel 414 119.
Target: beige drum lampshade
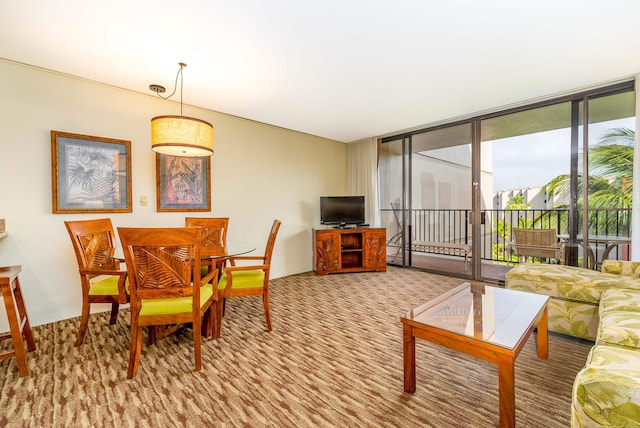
pixel 181 136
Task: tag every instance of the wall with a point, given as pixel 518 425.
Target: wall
pixel 259 172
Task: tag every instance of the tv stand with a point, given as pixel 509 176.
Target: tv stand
pixel 349 249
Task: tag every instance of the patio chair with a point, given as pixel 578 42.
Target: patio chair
pixel 541 243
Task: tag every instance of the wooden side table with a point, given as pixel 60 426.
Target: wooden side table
pixel 17 316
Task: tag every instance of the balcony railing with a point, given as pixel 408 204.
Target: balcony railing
pixel 452 225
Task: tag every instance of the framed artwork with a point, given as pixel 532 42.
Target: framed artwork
pixel 90 174
pixel 183 183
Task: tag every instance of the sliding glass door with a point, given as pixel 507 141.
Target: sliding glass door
pixel 449 192
pixel 426 180
pixel 537 159
pixel 524 154
pixel 605 157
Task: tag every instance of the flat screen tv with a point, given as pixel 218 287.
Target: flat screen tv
pixel 342 210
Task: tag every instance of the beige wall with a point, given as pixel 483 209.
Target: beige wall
pixel 259 172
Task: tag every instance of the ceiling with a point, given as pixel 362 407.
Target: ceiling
pixel 344 70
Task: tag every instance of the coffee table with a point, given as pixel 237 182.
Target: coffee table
pixel 489 323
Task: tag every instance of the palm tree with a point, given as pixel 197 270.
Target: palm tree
pixel 502 229
pixel 610 183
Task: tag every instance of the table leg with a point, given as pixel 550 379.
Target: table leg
pixel 409 353
pixel 507 391
pixel 543 335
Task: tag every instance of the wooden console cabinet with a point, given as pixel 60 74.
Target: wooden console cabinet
pixel 349 250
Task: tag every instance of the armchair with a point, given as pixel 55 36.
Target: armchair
pixel 249 280
pixel 166 286
pixel 101 279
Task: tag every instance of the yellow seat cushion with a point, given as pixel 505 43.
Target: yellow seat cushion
pixel 243 279
pixel 175 305
pixel 107 286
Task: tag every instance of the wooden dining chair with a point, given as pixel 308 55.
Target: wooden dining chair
pixel 214 239
pixel 101 278
pixel 166 286
pixel 241 279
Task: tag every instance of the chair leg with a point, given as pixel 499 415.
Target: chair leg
pixel 114 313
pixel 135 349
pixel 213 319
pixel 151 335
pixel 209 321
pixel 197 345
pixel 18 330
pixel 217 315
pixel 267 312
pixel 205 325
pixel 84 321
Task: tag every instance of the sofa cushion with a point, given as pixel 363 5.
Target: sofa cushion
pixel 620 328
pixel 620 300
pixel 607 391
pixel 566 282
pixel 621 267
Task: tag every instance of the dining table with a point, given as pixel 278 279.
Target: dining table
pixel 233 248
pixel 610 242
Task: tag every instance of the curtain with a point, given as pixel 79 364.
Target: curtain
pixel 362 176
pixel 635 204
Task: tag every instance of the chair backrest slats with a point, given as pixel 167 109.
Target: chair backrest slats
pixel 162 262
pixel 271 241
pixel 92 240
pixel 214 233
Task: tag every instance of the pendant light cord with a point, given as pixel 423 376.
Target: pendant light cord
pixel 175 86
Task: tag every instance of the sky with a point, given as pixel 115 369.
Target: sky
pixel 534 160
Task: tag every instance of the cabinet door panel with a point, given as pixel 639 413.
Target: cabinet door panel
pixel 375 256
pixel 327 253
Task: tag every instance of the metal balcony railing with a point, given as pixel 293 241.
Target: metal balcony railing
pixel 452 225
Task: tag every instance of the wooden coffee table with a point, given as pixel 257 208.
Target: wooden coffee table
pixel 490 323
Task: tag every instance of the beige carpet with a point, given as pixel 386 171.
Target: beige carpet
pixel 333 359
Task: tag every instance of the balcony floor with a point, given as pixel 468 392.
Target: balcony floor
pixel 451 265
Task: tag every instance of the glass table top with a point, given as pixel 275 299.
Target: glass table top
pixel 490 314
pixel 233 248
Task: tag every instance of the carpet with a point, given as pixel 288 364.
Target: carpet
pixel 333 359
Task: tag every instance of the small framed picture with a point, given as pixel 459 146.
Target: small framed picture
pixel 183 183
pixel 90 174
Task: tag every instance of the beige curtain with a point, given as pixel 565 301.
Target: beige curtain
pixel 362 176
pixel 635 213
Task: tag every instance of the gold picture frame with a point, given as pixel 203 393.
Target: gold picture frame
pixel 90 174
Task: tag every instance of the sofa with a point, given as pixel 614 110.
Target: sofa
pixel 574 292
pixel 603 307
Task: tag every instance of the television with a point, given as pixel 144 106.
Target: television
pixel 342 210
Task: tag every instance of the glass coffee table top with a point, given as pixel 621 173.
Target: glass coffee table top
pixel 481 312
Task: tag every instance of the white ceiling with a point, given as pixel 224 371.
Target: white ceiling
pixel 341 69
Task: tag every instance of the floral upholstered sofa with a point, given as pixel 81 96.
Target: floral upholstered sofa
pixel 601 306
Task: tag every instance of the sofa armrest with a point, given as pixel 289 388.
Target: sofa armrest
pixel 621 267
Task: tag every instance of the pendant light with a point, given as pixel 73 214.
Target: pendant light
pixel 180 135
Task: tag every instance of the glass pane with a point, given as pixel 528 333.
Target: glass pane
pixel 440 200
pixel 390 172
pixel 523 155
pixel 610 160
